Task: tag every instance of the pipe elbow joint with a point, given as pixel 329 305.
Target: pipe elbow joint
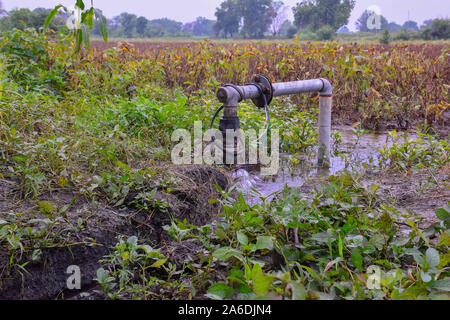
pixel 327 89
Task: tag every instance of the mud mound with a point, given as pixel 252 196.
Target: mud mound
pixel 88 230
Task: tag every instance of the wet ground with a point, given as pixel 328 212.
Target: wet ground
pixel 357 153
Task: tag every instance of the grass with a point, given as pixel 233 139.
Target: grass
pixel 99 126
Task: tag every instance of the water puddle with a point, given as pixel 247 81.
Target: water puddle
pixel 351 153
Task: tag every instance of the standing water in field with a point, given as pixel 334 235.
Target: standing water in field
pixel 357 150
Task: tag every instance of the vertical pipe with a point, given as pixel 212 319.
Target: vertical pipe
pixel 325 103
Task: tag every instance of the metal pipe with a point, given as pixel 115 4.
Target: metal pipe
pixel 323 156
pixel 230 97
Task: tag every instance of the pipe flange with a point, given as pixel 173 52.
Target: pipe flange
pixel 267 88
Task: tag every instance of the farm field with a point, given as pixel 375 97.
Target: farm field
pixel 86 176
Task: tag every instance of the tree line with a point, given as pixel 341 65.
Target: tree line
pixel 313 19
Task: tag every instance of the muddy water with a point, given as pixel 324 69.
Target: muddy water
pixel 351 153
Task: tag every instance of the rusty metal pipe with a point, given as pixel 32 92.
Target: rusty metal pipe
pixel 230 97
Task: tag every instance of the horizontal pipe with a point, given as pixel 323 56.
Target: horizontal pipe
pixel 297 87
pixel 230 96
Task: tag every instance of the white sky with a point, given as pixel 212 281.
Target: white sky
pixel 188 10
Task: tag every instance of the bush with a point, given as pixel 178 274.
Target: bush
pixel 386 37
pixel 403 35
pixel 30 61
pixel 440 29
pixel 291 32
pixel 325 33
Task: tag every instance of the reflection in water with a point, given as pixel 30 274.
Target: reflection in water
pixel 353 153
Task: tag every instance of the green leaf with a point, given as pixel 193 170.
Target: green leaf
pixel 132 241
pixel 445 238
pixel 102 275
pixel 242 238
pixel 225 253
pixel 220 291
pixel 89 18
pixel 264 242
pixel 341 247
pixel 78 40
pixel 158 263
pixel 261 283
pixel 425 276
pixel 50 17
pixel 80 4
pixel 298 290
pixel 443 284
pixel 86 36
pixel 46 207
pixel 377 241
pixel 357 259
pixel 432 257
pixel 443 214
pixel 322 237
pixel 103 25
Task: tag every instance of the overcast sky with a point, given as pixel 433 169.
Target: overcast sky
pixel 188 10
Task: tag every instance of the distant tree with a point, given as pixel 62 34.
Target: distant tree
pixel 168 26
pixel 228 18
pixel 279 17
pixel 314 14
pixel 371 22
pixel 427 23
pixel 325 33
pixel 393 27
pixel 141 26
pixel 203 27
pixel 403 35
pixel 440 29
pixel 128 23
pixel 411 25
pixel 25 18
pixel 258 16
pixel 386 37
pixel 291 32
pixel 287 24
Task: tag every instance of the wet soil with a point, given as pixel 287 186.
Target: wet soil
pixel 418 192
pixel 89 229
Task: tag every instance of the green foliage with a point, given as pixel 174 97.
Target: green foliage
pixel 228 18
pixel 315 14
pixel 200 27
pixel 425 152
pixel 83 24
pixel 257 16
pixel 321 248
pixel 129 261
pixel 325 33
pixel 24 18
pixel 411 25
pixel 386 37
pixel 33 61
pixel 439 29
pixel 370 19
